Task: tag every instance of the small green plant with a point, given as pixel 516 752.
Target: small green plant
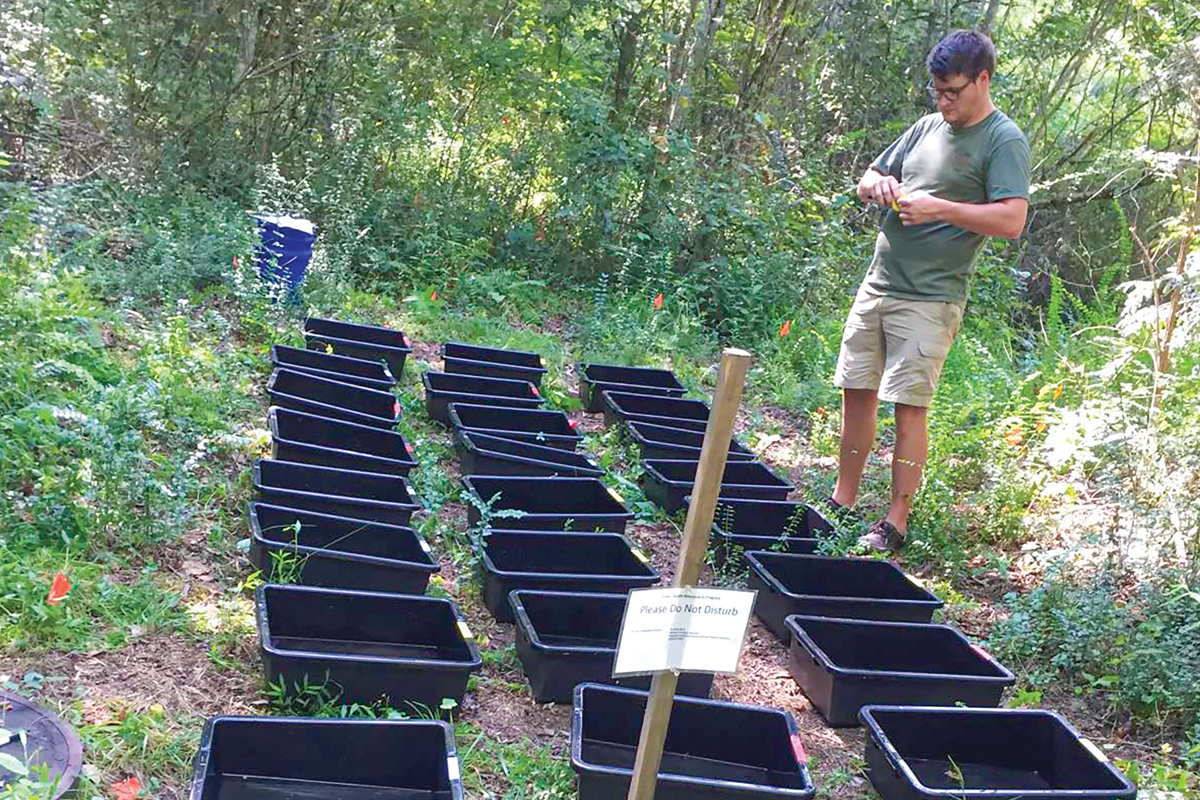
pixel 304 698
pixel 288 565
pixel 31 781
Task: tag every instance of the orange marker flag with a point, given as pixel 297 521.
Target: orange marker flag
pixel 785 328
pixel 60 587
pixel 658 300
pixel 128 789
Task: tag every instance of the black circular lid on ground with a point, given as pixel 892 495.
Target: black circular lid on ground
pixel 48 740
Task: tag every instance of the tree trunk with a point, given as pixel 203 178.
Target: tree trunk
pixel 989 16
pixel 247 39
pixel 710 22
pixel 627 30
pixel 678 86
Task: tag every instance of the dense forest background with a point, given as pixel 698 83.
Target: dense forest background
pixel 565 162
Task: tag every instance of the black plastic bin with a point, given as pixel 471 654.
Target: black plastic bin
pixel 822 586
pixel 660 441
pixel 444 388
pixel 597 378
pixel 725 546
pixel 549 504
pixel 371 342
pixel 568 638
pixel 533 425
pixel 310 439
pixel 842 665
pixel 714 749
pixel 410 650
pixel 481 454
pixel 341 492
pixel 668 482
pixel 371 374
pixel 254 758
pixel 564 562
pixel 673 412
pixel 774 518
pixel 493 362
pixel 339 552
pixel 917 753
pixel 308 394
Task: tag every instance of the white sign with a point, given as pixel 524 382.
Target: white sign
pixel 689 630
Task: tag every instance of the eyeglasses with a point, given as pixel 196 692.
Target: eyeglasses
pixel 950 94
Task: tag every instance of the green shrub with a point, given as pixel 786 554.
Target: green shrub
pixel 1141 655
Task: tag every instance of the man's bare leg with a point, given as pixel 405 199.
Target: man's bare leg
pixel 908 461
pixel 859 408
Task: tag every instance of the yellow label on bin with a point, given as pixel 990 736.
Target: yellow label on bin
pixel 1090 746
pixel 425 546
pixel 915 581
pixel 616 495
pixel 639 555
pixel 465 630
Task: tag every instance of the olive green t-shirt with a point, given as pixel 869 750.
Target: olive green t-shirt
pixel 984 163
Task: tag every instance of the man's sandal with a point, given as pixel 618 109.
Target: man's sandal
pixel 883 536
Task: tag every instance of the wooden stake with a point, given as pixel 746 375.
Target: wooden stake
pixel 734 365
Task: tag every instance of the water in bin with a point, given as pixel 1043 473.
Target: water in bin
pixel 286 249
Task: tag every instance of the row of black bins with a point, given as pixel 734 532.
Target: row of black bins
pixel 334 508
pixel 863 650
pixel 561 572
pixel 670 431
pixel 713 750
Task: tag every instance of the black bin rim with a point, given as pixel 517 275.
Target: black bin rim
pixel 538 357
pixel 759 569
pixel 516 600
pixel 430 565
pixel 502 433
pixel 650 575
pixel 506 409
pixel 619 499
pixel 425 379
pixel 474 662
pixel 613 400
pixel 272 393
pixel 272 423
pixel 309 336
pixel 256 480
pixel 866 716
pixel 579 764
pixel 582 368
pixel 380 364
pixel 651 465
pixel 795 625
pixel 383 328
pixel 468 438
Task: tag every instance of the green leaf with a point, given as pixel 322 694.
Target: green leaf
pixel 10 763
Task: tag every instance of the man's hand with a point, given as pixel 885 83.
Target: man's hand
pixel 875 187
pixel 920 207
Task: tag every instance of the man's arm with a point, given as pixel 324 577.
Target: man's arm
pixel 1003 218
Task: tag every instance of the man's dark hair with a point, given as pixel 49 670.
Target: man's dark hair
pixel 962 52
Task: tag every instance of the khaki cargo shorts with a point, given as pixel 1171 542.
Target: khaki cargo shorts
pixel 896 347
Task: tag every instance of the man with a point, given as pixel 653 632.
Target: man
pixel 953 179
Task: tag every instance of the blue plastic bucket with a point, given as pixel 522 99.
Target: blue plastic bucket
pixel 285 250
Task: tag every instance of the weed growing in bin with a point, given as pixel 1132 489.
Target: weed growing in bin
pixel 488 513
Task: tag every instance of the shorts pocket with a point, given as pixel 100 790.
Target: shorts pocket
pixel 934 350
